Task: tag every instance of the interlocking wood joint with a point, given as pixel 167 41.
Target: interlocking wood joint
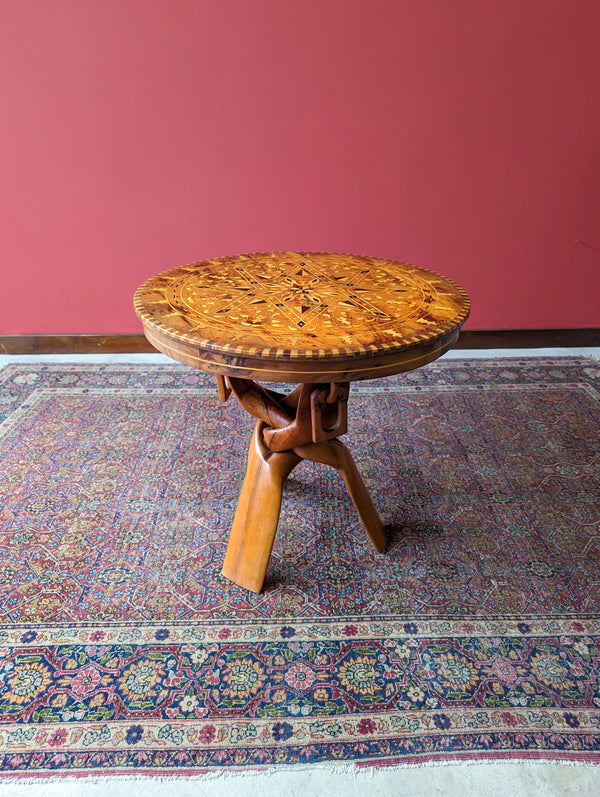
pixel 309 414
pixel 329 411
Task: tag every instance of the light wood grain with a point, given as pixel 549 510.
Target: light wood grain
pixel 257 514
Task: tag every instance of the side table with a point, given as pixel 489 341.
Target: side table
pixel 320 320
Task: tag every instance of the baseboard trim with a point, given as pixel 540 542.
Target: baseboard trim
pixel 528 338
pixel 74 344
pixel 469 339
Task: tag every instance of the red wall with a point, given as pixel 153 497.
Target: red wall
pixel 137 135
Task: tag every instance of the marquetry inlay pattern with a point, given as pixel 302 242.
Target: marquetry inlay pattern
pixel 288 305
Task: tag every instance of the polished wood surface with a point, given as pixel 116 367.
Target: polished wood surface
pixel 320 320
pixel 257 513
pixel 304 424
pixel 301 316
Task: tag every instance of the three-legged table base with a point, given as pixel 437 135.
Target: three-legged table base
pixel 303 425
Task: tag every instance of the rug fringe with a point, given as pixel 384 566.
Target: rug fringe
pixel 356 771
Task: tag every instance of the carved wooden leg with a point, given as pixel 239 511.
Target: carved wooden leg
pixel 282 437
pixel 335 453
pixel 257 514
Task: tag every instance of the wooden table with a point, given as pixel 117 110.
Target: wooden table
pixel 317 319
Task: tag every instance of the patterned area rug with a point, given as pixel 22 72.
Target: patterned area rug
pixel 122 648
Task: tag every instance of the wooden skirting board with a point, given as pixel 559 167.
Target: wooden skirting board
pixel 469 339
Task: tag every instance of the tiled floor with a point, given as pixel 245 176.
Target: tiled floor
pixel 509 779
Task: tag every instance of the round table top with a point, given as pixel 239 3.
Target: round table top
pixel 301 316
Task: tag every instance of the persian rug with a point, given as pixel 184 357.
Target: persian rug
pixel 476 635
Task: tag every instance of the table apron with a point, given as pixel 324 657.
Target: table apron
pixel 315 370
